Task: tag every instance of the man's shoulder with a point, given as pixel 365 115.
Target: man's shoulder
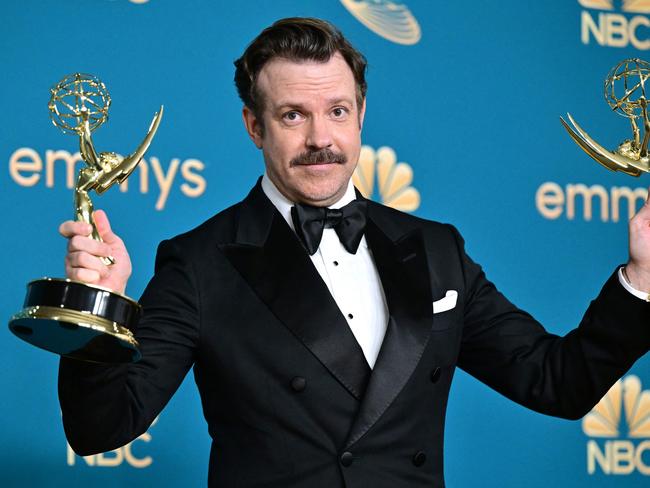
pixel 221 227
pixel 397 221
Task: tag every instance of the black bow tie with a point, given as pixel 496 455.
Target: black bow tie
pixel 348 222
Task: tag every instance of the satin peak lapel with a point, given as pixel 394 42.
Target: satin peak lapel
pixel 404 274
pixel 270 258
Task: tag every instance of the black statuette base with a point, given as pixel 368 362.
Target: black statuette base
pixel 79 321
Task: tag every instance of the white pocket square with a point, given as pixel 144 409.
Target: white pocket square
pixel 446 303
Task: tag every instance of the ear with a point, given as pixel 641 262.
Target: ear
pixel 253 126
pixel 362 113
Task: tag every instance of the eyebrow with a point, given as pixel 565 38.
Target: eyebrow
pixel 331 101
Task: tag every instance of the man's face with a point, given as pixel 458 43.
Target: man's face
pixel 311 134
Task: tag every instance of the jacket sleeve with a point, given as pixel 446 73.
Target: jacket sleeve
pixel 507 349
pixel 107 406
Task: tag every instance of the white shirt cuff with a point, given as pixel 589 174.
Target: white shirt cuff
pixel 639 294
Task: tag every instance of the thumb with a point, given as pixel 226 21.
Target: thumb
pixel 104 227
pixel 645 209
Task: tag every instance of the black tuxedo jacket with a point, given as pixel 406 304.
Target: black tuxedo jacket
pixel 287 394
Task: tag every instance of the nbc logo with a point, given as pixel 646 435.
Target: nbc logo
pixel 617 456
pixel 391 20
pixel 611 28
pixel 394 179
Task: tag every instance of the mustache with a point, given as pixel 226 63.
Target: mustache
pixel 322 156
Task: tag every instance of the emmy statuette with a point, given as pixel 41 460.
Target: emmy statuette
pixel 625 94
pixel 71 318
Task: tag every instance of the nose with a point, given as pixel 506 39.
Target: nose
pixel 318 134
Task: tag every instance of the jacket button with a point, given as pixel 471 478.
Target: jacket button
pixel 435 375
pixel 298 384
pixel 347 458
pixel 419 458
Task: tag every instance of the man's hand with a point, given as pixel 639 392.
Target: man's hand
pixel 82 262
pixel 638 267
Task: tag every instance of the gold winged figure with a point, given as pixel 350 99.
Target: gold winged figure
pixel 79 104
pixel 625 93
pixel 105 169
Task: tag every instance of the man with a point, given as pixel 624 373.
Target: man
pixel 324 341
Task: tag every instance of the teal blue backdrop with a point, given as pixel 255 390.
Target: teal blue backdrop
pixel 467 95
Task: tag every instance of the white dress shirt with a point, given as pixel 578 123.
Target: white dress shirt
pixel 352 279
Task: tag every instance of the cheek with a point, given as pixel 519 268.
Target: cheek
pixel 282 148
pixel 350 138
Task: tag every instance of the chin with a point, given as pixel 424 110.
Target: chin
pixel 321 196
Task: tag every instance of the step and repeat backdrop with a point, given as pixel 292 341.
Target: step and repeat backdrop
pixel 462 126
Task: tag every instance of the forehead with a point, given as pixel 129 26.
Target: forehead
pixel 285 81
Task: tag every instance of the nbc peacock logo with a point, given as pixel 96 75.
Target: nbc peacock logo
pixel 638 6
pixel 393 179
pixel 622 417
pixel 603 22
pixel 390 19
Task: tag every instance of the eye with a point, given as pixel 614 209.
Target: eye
pixel 292 117
pixel 340 113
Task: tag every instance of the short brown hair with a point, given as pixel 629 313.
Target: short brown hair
pixel 296 39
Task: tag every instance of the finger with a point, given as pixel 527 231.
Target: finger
pixel 79 243
pixel 87 261
pixel 82 274
pixel 71 228
pixel 104 227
